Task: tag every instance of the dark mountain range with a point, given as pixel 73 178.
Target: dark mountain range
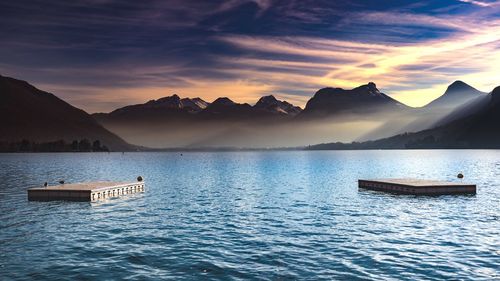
pixel 159 110
pixel 327 102
pixel 267 107
pixel 364 100
pixel 474 125
pixel 27 113
pixel 475 105
pixel 462 117
pixel 180 122
pixel 195 104
pixel 272 105
pixel 456 94
pixel 363 113
pixel 227 110
pixel 457 100
pixel 173 108
pixel 480 129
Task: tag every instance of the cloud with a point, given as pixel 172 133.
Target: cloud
pixel 481 3
pixel 472 55
pixel 247 48
pixel 231 4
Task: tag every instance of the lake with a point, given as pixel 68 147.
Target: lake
pixel 252 215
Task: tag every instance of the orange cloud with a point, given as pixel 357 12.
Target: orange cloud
pixel 293 68
pixel 424 69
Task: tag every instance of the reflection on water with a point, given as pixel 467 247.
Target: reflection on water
pixel 241 215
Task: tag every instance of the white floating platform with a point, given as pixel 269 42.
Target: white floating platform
pixel 417 186
pixel 90 191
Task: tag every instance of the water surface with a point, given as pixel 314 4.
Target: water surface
pixel 252 215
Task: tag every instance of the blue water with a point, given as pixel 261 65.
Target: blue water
pixel 252 215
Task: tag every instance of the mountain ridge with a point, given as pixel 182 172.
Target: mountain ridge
pixel 271 104
pixel 28 113
pixel 477 129
pixel 222 107
pixel 364 99
pixel 192 121
pixel 456 93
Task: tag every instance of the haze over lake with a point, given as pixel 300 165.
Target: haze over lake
pixel 242 215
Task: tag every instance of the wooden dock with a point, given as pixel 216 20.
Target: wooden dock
pixel 417 186
pixel 91 191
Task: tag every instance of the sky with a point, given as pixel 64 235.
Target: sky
pixel 103 54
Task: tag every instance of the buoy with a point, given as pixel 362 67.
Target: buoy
pixel 61 181
pixel 139 178
pixel 460 176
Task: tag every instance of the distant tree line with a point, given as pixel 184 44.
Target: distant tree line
pixel 83 145
pixel 423 143
pixel 431 142
pixel 403 141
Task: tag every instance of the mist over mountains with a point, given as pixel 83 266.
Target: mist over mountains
pixel 471 125
pixel 462 117
pixel 223 122
pixel 359 114
pixel 457 95
pixel 175 122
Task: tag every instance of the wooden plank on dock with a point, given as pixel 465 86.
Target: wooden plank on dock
pixel 417 186
pixel 90 191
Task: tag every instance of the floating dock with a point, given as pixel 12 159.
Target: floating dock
pixel 417 186
pixel 91 191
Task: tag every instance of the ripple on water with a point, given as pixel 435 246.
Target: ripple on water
pixel 252 215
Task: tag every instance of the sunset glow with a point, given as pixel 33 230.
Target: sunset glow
pixel 411 51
